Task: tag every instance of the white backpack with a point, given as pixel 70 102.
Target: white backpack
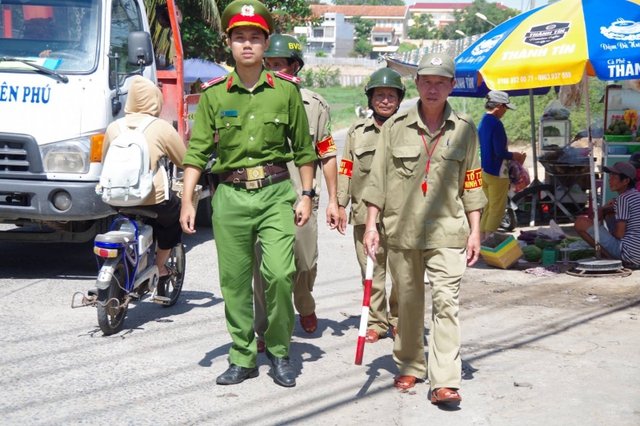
pixel 127 178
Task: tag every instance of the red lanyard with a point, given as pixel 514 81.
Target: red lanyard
pixel 429 153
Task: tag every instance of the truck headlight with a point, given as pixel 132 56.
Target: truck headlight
pixel 70 156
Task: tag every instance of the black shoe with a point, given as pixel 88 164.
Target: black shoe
pixel 236 374
pixel 283 370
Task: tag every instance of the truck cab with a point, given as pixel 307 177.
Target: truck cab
pixel 65 68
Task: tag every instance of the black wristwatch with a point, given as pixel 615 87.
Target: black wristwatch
pixel 310 193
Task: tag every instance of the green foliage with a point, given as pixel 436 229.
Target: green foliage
pixel 321 54
pixel 518 123
pixel 467 21
pixel 201 35
pixel 368 2
pixel 323 77
pixel 405 46
pixel 422 28
pixel 362 28
pixel 362 48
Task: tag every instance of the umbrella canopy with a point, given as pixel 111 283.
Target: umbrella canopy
pixel 555 44
pixel 560 44
pixel 201 69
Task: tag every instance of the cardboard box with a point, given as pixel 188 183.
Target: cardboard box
pixel 500 250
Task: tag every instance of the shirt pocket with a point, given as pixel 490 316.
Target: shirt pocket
pixel 275 127
pixel 406 159
pixel 451 164
pixel 364 156
pixel 229 131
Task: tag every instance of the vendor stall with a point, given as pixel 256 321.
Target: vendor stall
pixel 620 140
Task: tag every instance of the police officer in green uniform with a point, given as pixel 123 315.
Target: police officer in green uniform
pixel 426 180
pixel 385 90
pixel 285 55
pixel 249 116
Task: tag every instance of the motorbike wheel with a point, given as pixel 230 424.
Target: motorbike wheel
pixel 111 315
pixel 509 220
pixel 172 287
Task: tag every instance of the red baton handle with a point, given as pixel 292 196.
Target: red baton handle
pixel 365 310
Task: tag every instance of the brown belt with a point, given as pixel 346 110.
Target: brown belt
pixel 256 177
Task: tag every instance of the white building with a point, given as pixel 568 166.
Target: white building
pixel 441 13
pixel 334 36
pixel 394 17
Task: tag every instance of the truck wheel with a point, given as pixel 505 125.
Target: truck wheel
pixel 204 213
pixel 172 286
pixel 111 313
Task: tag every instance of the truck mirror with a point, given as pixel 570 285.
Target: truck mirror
pixel 140 49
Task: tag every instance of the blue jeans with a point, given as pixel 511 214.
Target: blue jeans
pixel 610 243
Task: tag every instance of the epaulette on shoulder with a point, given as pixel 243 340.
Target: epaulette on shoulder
pixel 464 117
pixel 213 82
pixel 287 77
pixel 319 98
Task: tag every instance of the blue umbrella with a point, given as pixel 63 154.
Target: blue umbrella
pixel 196 68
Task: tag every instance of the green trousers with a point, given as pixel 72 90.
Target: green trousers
pixel 445 267
pixel 240 217
pixel 380 319
pixel 496 189
pixel 305 250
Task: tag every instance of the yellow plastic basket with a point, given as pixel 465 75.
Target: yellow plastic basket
pixel 500 250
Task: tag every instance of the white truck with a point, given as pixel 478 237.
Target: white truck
pixel 65 68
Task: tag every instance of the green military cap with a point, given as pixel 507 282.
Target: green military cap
pixel 437 64
pixel 247 12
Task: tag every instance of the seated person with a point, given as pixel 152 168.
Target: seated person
pixel 144 100
pixel 622 241
pixel 635 162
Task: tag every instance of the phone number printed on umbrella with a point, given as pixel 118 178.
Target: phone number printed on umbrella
pixel 530 78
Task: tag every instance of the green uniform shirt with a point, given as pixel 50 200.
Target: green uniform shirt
pixel 319 116
pixel 251 127
pixel 412 219
pixel 359 148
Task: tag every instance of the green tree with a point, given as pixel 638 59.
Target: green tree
pixel 362 31
pixel 422 28
pixel 201 29
pixel 405 46
pixel 368 2
pixel 467 21
pixel 362 48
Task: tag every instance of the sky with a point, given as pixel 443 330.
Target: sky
pixel 514 4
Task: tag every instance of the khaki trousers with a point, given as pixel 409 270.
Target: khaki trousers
pixel 380 319
pixel 445 267
pixel 496 189
pixel 305 250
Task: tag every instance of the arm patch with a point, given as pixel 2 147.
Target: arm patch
pixel 346 168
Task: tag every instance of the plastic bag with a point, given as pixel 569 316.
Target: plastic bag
pixel 571 95
pixel 553 232
pixel 555 111
pixel 518 175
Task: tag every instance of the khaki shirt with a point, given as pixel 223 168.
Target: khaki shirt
pixel 353 177
pixel 319 116
pixel 410 218
pixel 252 128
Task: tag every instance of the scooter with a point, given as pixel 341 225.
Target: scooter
pixel 125 257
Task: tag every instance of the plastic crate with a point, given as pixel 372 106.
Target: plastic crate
pixel 618 138
pixel 500 250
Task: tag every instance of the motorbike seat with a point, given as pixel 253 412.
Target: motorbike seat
pixel 115 237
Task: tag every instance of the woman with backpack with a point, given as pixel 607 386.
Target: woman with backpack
pixel 145 101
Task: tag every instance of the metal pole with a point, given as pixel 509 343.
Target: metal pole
pixel 592 169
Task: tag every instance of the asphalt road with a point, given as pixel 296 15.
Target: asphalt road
pixel 536 350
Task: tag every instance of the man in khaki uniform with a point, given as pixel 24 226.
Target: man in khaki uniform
pixel 285 56
pixel 385 90
pixel 426 181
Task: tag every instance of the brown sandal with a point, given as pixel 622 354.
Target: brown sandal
pixel 372 336
pixel 444 395
pixel 404 382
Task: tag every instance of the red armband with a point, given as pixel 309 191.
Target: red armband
pixel 326 146
pixel 473 179
pixel 346 168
